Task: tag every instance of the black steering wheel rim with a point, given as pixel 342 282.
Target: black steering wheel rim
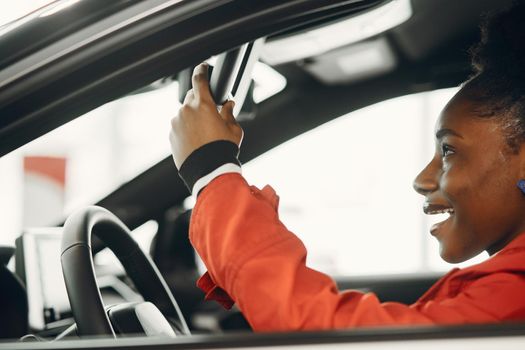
pixel 79 273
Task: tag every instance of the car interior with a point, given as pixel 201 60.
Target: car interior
pixel 83 273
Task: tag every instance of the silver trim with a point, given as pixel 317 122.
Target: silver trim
pixel 45 56
pixel 478 343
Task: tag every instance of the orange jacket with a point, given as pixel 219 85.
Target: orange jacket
pixel 252 258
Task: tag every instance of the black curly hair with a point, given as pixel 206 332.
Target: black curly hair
pixel 498 83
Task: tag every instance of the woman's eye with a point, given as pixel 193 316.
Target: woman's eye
pixel 446 150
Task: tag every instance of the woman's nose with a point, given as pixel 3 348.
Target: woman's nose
pixel 426 181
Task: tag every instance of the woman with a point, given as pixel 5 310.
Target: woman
pixel 477 175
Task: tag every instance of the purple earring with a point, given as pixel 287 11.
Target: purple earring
pixel 521 185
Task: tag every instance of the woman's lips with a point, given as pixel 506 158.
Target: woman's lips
pixel 442 211
pixel 434 229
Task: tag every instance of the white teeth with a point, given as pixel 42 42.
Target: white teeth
pixel 443 211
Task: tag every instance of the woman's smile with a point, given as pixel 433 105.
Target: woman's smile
pixel 442 211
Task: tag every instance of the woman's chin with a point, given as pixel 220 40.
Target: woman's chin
pixel 450 255
pixel 451 258
pixel 455 256
pixel 450 248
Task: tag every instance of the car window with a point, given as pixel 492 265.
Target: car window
pixel 96 153
pixel 99 151
pixel 346 188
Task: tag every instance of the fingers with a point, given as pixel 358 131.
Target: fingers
pixel 234 127
pixel 189 97
pixel 226 112
pixel 200 83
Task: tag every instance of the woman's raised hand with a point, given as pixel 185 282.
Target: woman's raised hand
pixel 199 121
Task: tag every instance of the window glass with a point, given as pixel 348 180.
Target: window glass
pixel 346 188
pixel 91 156
pixel 101 150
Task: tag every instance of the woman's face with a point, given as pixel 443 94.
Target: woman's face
pixel 472 176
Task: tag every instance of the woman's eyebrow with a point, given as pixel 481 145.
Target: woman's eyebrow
pixel 444 132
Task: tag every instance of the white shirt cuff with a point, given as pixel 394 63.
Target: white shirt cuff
pixel 205 180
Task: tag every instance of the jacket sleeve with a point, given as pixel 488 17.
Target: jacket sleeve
pixel 251 255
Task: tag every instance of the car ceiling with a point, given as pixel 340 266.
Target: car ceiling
pixel 436 27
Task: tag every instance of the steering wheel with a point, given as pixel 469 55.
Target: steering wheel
pixel 149 317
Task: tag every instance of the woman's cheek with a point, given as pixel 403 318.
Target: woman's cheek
pixel 447 179
pixel 454 185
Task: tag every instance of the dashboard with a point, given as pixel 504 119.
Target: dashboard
pixel 37 263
